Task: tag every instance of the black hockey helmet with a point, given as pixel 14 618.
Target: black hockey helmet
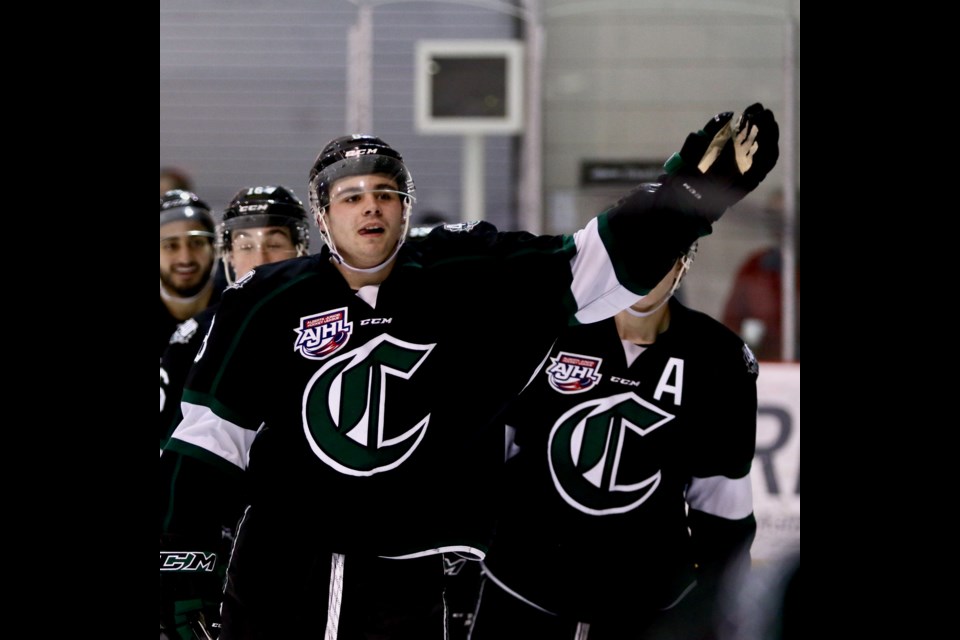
pixel 352 155
pixel 267 206
pixel 180 204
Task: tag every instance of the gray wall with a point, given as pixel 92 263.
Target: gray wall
pixel 628 80
pixel 251 90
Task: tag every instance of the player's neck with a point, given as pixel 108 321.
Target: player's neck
pixel 184 308
pixel 643 330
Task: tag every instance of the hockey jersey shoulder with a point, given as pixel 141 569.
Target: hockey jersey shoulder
pixel 468 240
pixel 261 280
pixel 710 335
pixel 189 330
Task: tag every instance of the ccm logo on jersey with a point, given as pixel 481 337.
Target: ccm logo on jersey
pixel 187 561
pixel 573 373
pixel 367 321
pixel 323 334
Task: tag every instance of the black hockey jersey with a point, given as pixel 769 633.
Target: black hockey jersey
pixel 360 423
pixel 168 325
pixel 594 522
pixel 373 412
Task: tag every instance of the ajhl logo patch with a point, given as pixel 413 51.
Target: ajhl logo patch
pixel 321 335
pixel 573 373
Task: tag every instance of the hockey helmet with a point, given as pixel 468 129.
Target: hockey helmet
pixel 358 155
pixel 354 155
pixel 180 204
pixel 267 206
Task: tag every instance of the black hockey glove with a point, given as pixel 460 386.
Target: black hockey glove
pixel 723 162
pixel 190 593
pixel 657 222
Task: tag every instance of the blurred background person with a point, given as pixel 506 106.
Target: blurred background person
pixel 260 226
pixel 754 308
pixel 186 260
pixel 172 178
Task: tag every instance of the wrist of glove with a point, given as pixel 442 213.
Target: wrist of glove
pixel 194 619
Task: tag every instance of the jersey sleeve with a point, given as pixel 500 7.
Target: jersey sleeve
pixel 615 260
pixel 624 252
pixel 202 463
pixel 220 411
pixel 720 494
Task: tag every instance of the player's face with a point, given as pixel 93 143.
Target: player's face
pixel 365 219
pixel 185 260
pixel 259 245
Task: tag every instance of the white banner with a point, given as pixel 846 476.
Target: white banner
pixel 776 466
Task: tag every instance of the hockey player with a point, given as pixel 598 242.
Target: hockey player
pixel 186 260
pixel 355 390
pixel 261 225
pixel 627 493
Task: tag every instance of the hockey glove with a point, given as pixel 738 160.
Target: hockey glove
pixel 190 593
pixel 724 161
pixel 192 620
pixel 656 223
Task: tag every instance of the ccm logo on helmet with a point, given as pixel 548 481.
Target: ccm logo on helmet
pixel 359 152
pixel 244 208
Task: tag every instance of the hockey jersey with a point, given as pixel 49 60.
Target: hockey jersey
pixel 628 476
pixel 360 423
pixel 370 407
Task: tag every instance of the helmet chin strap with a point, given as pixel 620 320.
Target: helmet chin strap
pixel 327 238
pixel 647 314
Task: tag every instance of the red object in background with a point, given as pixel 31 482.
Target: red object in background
pixel 754 309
